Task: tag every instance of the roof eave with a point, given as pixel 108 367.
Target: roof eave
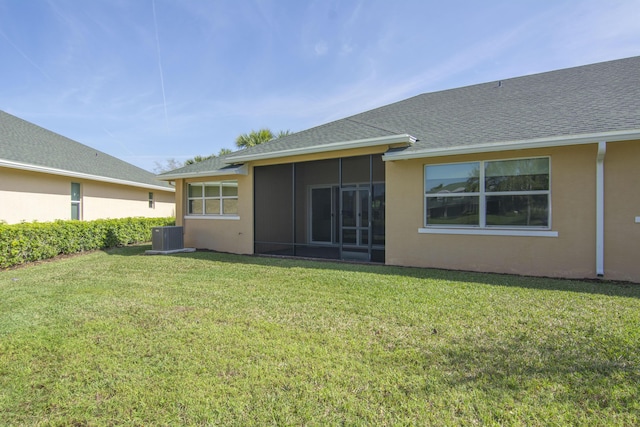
pixel 592 138
pixel 322 148
pixel 239 170
pixel 80 175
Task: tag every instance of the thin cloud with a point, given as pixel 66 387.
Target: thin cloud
pixel 355 14
pixel 347 48
pixel 598 30
pixel 120 143
pixel 364 91
pixel 321 48
pixel 266 19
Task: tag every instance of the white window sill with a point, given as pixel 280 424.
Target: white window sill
pixel 231 217
pixel 488 232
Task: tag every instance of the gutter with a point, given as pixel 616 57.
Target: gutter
pixel 81 175
pixel 238 170
pixel 602 150
pixel 322 148
pixel 555 141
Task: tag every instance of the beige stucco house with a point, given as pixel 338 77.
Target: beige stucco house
pixel 536 175
pixel 45 176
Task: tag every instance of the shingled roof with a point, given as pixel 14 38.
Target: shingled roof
pixel 24 145
pixel 209 167
pixel 597 100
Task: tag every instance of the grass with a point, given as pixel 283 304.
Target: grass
pixel 205 339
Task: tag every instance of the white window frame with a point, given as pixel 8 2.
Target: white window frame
pixel 482 228
pixel 203 198
pixel 77 202
pixel 152 202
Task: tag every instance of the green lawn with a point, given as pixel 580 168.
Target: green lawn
pixel 116 337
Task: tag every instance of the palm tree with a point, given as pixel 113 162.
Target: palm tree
pixel 258 137
pixel 283 133
pixel 198 159
pixel 171 164
pixel 254 138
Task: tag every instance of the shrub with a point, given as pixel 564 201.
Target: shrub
pixel 34 241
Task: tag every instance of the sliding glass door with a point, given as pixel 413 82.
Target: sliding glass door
pixel 356 226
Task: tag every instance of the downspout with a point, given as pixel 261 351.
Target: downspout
pixel 602 149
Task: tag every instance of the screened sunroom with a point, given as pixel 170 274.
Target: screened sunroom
pixel 322 209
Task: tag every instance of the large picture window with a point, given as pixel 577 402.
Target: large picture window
pixel 500 193
pixel 213 198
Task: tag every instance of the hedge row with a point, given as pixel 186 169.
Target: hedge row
pixel 34 241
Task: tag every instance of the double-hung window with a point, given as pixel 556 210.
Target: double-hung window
pixel 498 193
pixel 216 198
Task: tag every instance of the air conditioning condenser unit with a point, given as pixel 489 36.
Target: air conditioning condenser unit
pixel 167 238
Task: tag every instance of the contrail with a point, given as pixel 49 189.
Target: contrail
pixel 119 142
pixel 24 55
pixel 164 98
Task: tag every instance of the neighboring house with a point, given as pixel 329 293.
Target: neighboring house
pixel 45 176
pixel 536 175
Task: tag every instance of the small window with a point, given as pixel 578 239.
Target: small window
pixel 500 193
pixel 213 198
pixel 152 203
pixel 75 201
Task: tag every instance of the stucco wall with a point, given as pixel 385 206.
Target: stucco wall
pixel 573 187
pixel 622 206
pixel 570 254
pixel 221 234
pixel 31 196
pixel 103 200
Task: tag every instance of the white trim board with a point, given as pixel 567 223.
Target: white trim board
pixel 488 232
pixel 80 175
pixel 227 217
pixel 238 170
pixel 524 144
pixel 323 148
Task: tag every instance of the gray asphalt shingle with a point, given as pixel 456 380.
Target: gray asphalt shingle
pixel 212 164
pixel 593 98
pixel 27 143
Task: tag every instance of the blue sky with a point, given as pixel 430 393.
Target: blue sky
pixel 148 80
